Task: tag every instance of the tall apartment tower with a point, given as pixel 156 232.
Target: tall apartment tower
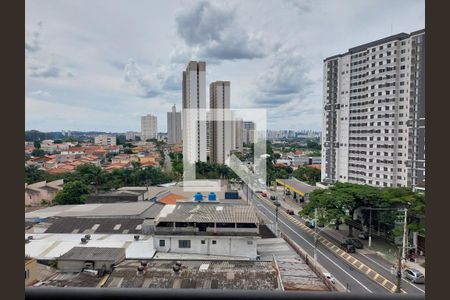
pixel 220 126
pixel 239 134
pixel 194 98
pixel 149 127
pixel 248 132
pixel 373 129
pixel 174 126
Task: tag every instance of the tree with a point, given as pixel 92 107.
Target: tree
pixel 74 192
pixel 38 152
pixel 90 174
pixel 339 202
pixel 309 175
pixel 57 142
pixel 128 151
pixel 33 174
pixel 313 145
pixel 37 144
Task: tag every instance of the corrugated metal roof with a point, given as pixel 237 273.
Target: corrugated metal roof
pixel 94 253
pixel 211 212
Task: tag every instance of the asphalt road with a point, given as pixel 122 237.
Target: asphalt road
pixel 342 270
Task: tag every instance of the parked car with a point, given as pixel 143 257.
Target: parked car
pixel 329 277
pixel 363 235
pixel 273 197
pixel 288 192
pixel 311 223
pixel 355 242
pixel 290 212
pixel 348 247
pixel 264 194
pixel 414 275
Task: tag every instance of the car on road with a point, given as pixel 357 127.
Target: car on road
pixel 288 192
pixel 329 277
pixel 414 275
pixel 290 212
pixel 264 194
pixel 355 242
pixel 310 223
pixel 273 197
pixel 350 248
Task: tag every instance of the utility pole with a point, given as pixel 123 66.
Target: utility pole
pixel 315 234
pixel 370 227
pixel 399 270
pixel 405 234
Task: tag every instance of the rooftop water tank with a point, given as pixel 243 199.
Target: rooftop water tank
pixel 212 196
pixel 198 197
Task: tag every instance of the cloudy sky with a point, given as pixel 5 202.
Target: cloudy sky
pixel 101 64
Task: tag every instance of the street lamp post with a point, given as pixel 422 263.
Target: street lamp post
pixel 370 227
pixel 315 235
pixel 277 205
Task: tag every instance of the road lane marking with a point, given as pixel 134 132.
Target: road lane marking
pixel 404 280
pixel 384 282
pixel 319 251
pixel 342 255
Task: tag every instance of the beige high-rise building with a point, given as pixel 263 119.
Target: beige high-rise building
pixel 221 126
pixel 194 99
pixel 173 126
pixel 149 127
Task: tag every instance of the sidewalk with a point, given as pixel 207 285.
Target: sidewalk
pixel 380 248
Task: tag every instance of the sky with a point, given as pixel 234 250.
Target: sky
pixel 101 64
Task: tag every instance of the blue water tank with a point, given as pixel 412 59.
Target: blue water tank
pixel 212 196
pixel 198 197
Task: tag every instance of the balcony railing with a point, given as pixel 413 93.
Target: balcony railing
pixel 42 293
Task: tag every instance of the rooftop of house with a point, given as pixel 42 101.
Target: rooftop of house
pixel 211 212
pixel 127 209
pixel 95 225
pixel 48 246
pixel 83 279
pixel 94 253
pixel 250 275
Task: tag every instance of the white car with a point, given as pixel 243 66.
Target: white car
pixel 329 277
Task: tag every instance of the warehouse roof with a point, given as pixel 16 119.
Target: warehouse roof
pixel 211 212
pixel 95 225
pixel 132 209
pixel 250 275
pixel 94 253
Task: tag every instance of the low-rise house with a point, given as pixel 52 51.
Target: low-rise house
pixel 31 271
pixel 117 196
pixel 37 192
pixel 207 228
pixel 94 258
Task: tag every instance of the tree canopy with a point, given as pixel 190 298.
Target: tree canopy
pixel 339 203
pixel 74 192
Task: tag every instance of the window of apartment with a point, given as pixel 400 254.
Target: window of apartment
pixel 214 242
pixel 162 243
pixel 203 242
pixel 249 242
pixel 184 244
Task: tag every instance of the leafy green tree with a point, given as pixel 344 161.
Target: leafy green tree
pixel 38 152
pixel 74 192
pixel 57 142
pixel 309 175
pixel 128 151
pixel 33 174
pixel 37 144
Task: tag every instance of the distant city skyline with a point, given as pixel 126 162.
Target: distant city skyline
pixel 86 71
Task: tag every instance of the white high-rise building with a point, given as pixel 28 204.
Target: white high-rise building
pixel 149 127
pixel 373 129
pixel 194 98
pixel 239 134
pixel 174 126
pixel 248 132
pixel 221 128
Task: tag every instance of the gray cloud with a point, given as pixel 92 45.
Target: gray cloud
pixel 143 85
pixel 302 6
pixel 212 33
pixel 32 42
pixel 285 80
